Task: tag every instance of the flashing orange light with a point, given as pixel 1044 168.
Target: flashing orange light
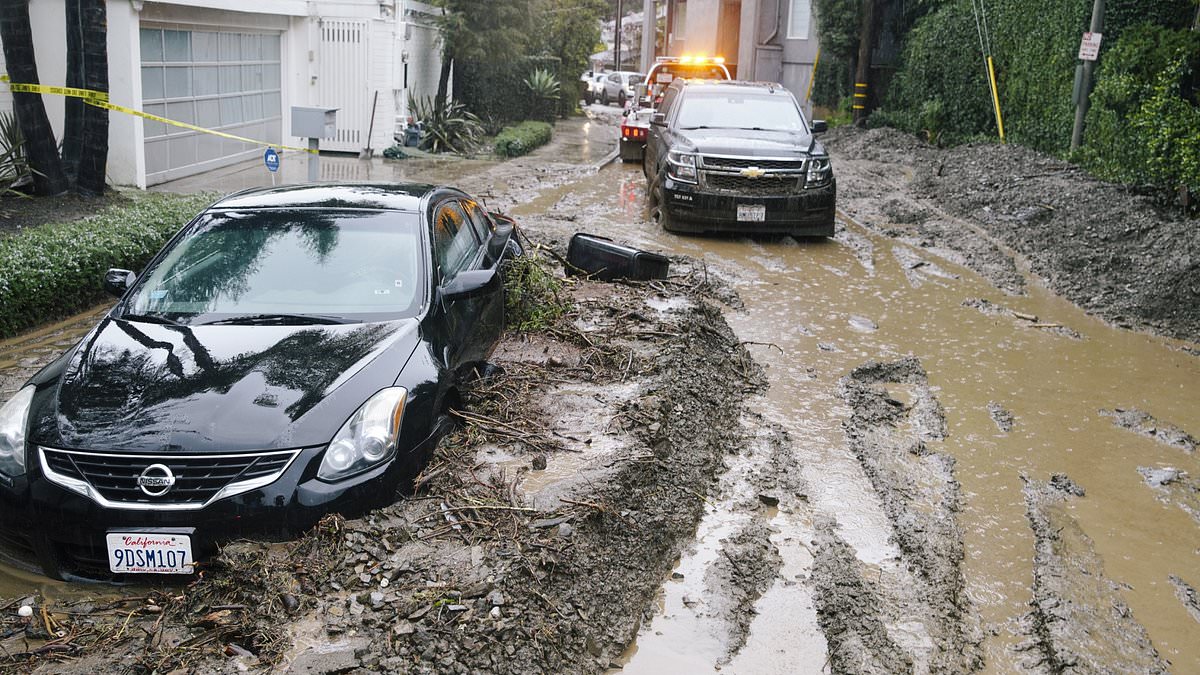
pixel 719 60
pixel 685 59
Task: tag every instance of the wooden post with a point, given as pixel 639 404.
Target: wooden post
pixel 862 75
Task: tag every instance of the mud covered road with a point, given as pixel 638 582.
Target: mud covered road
pixel 900 450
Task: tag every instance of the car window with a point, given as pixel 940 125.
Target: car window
pixel 668 101
pixel 739 110
pixel 615 77
pixel 480 220
pixel 365 265
pixel 454 242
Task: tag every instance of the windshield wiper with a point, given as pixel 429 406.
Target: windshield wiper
pixel 149 318
pixel 278 320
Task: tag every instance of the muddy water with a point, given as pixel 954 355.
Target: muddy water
pixel 829 308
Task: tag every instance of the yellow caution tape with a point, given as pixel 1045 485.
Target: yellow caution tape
pixel 99 99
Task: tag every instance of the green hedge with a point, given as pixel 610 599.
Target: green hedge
pixel 1144 124
pixel 52 271
pixel 523 138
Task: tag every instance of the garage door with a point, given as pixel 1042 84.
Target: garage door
pixel 228 81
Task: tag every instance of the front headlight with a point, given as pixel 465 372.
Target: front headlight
pixel 681 166
pixel 368 438
pixel 820 171
pixel 14 418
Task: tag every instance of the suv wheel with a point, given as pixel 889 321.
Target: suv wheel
pixel 604 97
pixel 658 208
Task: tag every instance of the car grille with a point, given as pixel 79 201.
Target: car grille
pixel 775 177
pixel 739 163
pixel 764 186
pixel 112 479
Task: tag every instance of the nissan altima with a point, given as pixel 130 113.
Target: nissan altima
pixel 290 353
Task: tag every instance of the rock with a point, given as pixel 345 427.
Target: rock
pixel 1160 476
pixel 404 627
pixel 495 598
pixel 1063 483
pixel 538 463
pixel 376 599
pixel 677 576
pixel 769 500
pixel 25 611
pixel 548 522
pixel 495 613
pixel 289 601
pixel 565 530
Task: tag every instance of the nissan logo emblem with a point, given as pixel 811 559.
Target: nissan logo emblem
pixel 156 480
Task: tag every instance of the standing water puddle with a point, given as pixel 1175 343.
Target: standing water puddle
pixel 825 308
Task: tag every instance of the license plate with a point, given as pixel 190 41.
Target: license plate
pixel 150 552
pixel 752 213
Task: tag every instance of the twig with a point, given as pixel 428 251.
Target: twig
pixel 764 344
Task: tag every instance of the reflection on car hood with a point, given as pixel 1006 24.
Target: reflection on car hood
pixel 749 143
pixel 141 387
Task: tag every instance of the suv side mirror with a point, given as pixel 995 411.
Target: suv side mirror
pixel 819 126
pixel 659 119
pixel 117 281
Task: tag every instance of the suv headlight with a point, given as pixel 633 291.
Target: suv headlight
pixel 14 418
pixel 820 172
pixel 681 166
pixel 368 438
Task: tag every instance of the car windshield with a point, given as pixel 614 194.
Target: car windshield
pixel 296 266
pixel 738 110
pixel 635 79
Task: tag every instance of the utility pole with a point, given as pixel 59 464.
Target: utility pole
pixel 862 74
pixel 1083 76
pixel 649 33
pixel 617 36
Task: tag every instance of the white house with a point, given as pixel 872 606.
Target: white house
pixel 238 67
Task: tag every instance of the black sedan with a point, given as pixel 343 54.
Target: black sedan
pixel 290 353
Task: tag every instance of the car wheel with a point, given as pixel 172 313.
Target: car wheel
pixel 658 208
pixel 604 97
pixel 588 98
pixel 621 100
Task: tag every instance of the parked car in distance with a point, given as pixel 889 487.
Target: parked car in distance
pixel 290 353
pixel 619 86
pixel 635 126
pixel 737 157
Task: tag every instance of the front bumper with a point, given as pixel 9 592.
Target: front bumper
pixel 808 213
pixel 43 525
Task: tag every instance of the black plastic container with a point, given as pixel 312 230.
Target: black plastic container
pixel 604 259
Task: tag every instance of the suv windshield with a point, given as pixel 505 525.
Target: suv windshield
pixel 739 110
pixel 288 267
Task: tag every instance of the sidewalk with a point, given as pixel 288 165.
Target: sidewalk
pixel 577 140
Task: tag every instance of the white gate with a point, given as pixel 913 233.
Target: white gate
pixel 342 75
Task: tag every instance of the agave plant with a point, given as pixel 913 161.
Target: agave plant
pixel 544 87
pixel 449 127
pixel 14 166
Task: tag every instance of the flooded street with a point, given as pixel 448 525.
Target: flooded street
pixel 912 413
pixel 816 310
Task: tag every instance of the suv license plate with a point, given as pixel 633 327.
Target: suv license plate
pixel 149 552
pixel 752 213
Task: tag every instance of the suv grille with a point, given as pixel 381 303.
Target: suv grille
pixel 774 176
pixel 112 479
pixel 770 184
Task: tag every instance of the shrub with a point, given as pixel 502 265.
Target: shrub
pixel 448 127
pixel 496 88
pixel 544 88
pixel 14 168
pixel 52 271
pixel 531 294
pixel 523 138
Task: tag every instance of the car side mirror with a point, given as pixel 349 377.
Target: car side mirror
pixel 117 281
pixel 469 284
pixel 659 119
pixel 819 126
pixel 500 237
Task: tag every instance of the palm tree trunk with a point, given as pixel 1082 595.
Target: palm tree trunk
pixel 93 155
pixel 73 116
pixel 40 146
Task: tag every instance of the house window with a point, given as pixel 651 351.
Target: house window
pixel 799 19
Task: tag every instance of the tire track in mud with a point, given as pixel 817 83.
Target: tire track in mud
pixel 1079 622
pixel 915 615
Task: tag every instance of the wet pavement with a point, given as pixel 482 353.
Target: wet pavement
pixel 814 311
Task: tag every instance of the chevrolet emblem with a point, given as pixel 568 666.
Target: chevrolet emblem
pixel 753 172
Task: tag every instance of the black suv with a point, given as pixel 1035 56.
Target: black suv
pixel 737 157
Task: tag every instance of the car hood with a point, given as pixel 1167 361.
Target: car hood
pixel 750 143
pixel 140 387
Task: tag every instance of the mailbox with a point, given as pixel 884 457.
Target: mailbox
pixel 314 122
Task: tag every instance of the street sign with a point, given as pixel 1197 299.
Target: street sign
pixel 271 159
pixel 1089 46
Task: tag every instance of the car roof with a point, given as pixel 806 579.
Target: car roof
pixel 720 85
pixel 377 196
